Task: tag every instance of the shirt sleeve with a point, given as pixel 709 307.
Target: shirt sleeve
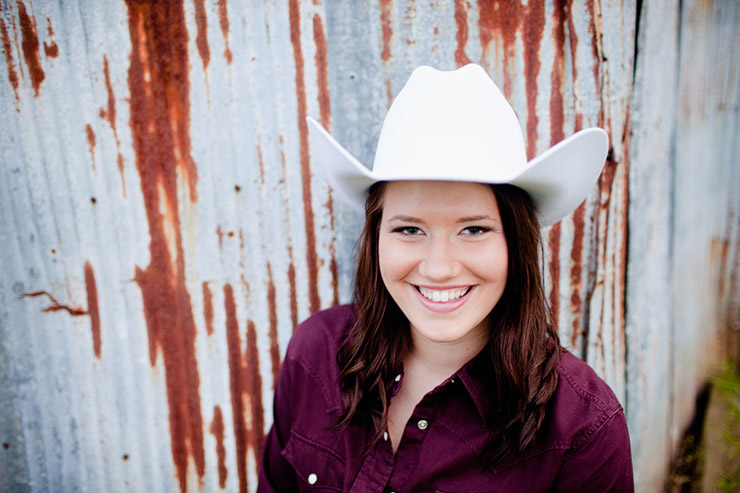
pixel 603 463
pixel 275 472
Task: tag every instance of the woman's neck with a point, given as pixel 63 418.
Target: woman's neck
pixel 442 359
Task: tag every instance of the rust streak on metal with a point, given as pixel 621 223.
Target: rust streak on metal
pixel 109 114
pixel 55 305
pixel 576 256
pixel 261 161
pixel 207 307
pixel 9 61
pixel 201 38
pixel 322 72
pixel 553 241
pixel 308 215
pixel 596 48
pixel 220 234
pixel 254 390
pixel 386 12
pixel 322 81
pixel 237 384
pixel 573 38
pixel 293 294
pixel 90 134
pixel 51 49
pixel 533 26
pixel 272 314
pixel 461 20
pixel 30 45
pixel 499 18
pixel 160 120
pixel 92 307
pixel 217 430
pixel 223 17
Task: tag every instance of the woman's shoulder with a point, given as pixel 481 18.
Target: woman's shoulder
pixel 582 405
pixel 321 334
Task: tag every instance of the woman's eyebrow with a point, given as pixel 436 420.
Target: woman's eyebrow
pixel 469 219
pixel 405 219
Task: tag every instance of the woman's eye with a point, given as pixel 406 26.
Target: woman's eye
pixel 476 230
pixel 408 230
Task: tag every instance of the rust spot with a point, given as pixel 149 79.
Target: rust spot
pixel 533 26
pixel 596 46
pixel 322 76
pixel 6 446
pixel 553 242
pixel 333 268
pixel 388 92
pixel 237 188
pixel 499 19
pixel 576 256
pixel 217 430
pixel 386 12
pixel 125 456
pixel 90 134
pixel 272 310
pixel 109 114
pixel 461 20
pixel 223 17
pixel 51 49
pixel 93 200
pixel 207 307
pixel 201 39
pixel 308 216
pixel 160 113
pixel 231 234
pixel 30 45
pixel 8 53
pixel 92 307
pixel 55 305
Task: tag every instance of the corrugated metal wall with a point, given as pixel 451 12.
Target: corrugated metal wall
pixel 163 231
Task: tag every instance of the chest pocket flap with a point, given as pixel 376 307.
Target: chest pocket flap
pixel 318 467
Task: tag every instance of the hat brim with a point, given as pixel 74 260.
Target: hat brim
pixel 558 180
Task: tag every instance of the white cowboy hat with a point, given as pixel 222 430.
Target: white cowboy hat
pixel 457 126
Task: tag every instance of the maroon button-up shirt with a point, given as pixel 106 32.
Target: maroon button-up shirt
pixel 583 445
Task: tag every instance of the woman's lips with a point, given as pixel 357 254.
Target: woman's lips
pixel 460 295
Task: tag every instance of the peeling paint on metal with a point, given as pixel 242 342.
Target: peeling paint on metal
pixel 30 46
pixel 534 26
pixel 217 430
pixel 50 48
pixel 8 53
pixel 311 257
pixel 92 307
pixel 207 307
pixel 461 20
pixel 90 136
pixel 272 315
pixel 237 384
pixel 109 114
pixel 159 87
pixel 386 11
pixel 55 305
pixel 201 38
pixel 223 18
pixel 499 20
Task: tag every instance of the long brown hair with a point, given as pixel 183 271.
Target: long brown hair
pixel 524 348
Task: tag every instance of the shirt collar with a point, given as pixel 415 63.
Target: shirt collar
pixel 474 376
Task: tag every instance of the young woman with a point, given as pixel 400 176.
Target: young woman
pixel 446 373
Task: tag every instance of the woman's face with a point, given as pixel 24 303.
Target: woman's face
pixel 443 257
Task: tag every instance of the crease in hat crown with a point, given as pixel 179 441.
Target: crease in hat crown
pixel 458 126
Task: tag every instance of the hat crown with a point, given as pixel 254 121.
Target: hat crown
pixel 450 125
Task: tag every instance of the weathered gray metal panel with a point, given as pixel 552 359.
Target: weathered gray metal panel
pixel 164 231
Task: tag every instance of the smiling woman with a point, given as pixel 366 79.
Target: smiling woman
pixel 446 373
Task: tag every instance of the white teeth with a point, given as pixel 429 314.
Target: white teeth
pixel 443 296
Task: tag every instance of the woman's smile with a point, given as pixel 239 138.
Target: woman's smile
pixel 443 256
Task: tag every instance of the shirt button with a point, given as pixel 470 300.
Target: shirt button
pixel 385 436
pixel 312 478
pixel 422 424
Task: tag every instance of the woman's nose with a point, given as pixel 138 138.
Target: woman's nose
pixel 440 262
